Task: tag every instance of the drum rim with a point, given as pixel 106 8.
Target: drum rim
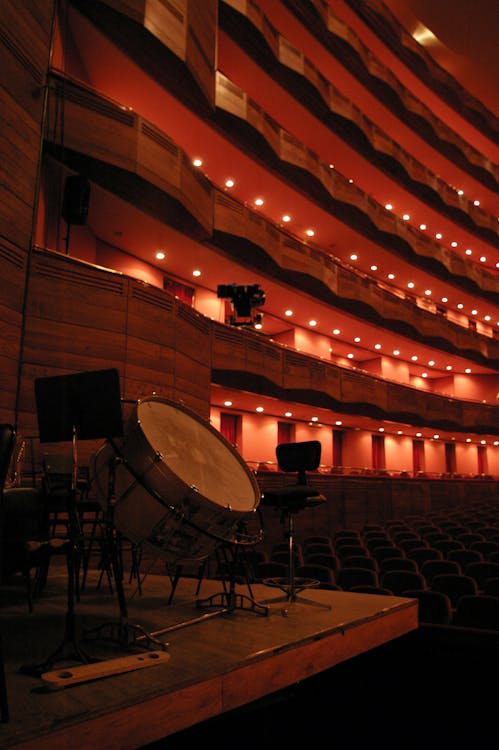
pixel 213 430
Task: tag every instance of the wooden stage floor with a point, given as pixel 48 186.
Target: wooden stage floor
pixel 216 660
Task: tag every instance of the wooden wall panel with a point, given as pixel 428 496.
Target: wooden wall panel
pixel 227 349
pixel 202 34
pixel 25 31
pixel 151 314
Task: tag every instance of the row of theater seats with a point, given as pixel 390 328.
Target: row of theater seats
pixel 449 561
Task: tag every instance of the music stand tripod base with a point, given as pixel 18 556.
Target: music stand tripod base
pixel 229 601
pixel 292 591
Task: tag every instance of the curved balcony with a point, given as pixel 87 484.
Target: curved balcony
pixel 344 44
pixel 298 74
pixel 343 199
pixel 132 158
pixel 152 43
pixel 378 17
pixel 96 318
pixel 321 275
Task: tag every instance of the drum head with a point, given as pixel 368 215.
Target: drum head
pixel 198 454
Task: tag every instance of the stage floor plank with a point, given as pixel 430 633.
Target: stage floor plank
pixel 217 661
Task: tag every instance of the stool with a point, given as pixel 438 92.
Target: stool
pixel 296 458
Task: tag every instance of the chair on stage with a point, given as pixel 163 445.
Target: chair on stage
pixel 297 459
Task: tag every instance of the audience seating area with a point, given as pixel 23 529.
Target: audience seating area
pixel 448 560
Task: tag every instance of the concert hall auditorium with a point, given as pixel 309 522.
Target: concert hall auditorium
pixel 249 392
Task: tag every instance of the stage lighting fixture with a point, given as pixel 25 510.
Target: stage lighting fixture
pixel 245 298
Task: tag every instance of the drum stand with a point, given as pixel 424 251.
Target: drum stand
pixel 228 599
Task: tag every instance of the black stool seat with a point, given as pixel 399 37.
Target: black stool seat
pixel 296 458
pixel 293 498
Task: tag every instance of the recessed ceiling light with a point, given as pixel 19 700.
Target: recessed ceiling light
pixel 381 429
pixel 196 272
pixel 357 339
pixel 445 299
pixel 288 313
pixel 229 183
pixel 439 235
pixel 422 227
pixel 312 322
pixel 314 419
pixel 258 201
pixel 310 233
pixel 288 414
pixel 468 370
pixel 427 292
pixel 286 218
pixel 259 408
pixel 411 285
pixel 396 352
pixel 227 403
pixel 388 206
pixel 197 162
pixel 406 217
pixel 419 434
pixel 160 255
pixel 483 259
pixel 431 363
pixel 336 331
pixel 424 374
pixel 377 346
pixel 391 276
pixel 453 243
pixel 354 256
pixel 374 268
pixel 468 251
pixel 414 357
pixel 338 422
pixel 476 203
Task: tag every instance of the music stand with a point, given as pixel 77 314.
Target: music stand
pixel 80 406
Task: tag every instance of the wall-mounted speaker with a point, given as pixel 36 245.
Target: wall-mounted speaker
pixel 76 200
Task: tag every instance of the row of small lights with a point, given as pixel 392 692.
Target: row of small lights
pixel 395 353
pixel 336 332
pixel 160 255
pixel 339 423
pixel 286 218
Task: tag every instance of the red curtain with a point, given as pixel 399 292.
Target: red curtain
pixel 183 292
pixel 418 456
pixel 229 427
pixel 285 432
pixel 337 448
pixel 450 458
pixel 482 459
pixel 378 451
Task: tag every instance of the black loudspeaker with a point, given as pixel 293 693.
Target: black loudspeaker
pixel 76 199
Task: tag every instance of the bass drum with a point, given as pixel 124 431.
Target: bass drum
pixel 175 482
